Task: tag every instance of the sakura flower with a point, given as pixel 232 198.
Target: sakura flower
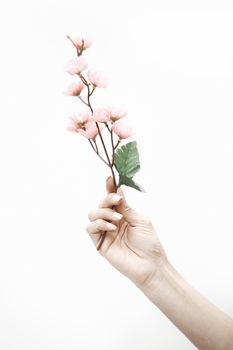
pixel 74 89
pixel 76 65
pixel 101 115
pixel 91 130
pixel 79 121
pixel 121 130
pixel 81 42
pixel 97 79
pixel 116 113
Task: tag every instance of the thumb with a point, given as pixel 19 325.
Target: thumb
pixel 110 185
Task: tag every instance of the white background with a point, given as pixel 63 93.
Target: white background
pixel 171 65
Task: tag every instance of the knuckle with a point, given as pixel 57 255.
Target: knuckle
pixel 101 204
pixel 90 215
pixel 146 220
pixel 88 228
pixel 99 224
pixel 108 212
pixel 110 197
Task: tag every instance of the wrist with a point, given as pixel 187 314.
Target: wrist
pixel 156 286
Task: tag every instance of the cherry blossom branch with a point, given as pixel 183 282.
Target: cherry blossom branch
pixel 110 164
pixel 107 155
pixel 97 152
pixel 93 89
pixel 107 126
pixel 83 100
pixel 88 103
pixel 91 125
pixel 89 93
pixel 117 144
pixel 96 146
pixel 79 51
pixel 113 147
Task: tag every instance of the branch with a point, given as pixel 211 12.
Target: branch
pixel 117 144
pixel 83 101
pixel 96 151
pixel 78 52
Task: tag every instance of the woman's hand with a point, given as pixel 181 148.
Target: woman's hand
pixel 131 244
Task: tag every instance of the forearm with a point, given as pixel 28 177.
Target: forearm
pixel 207 327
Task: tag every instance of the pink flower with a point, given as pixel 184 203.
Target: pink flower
pixel 76 65
pixel 116 113
pixel 97 79
pixel 91 130
pixel 79 121
pixel 101 115
pixel 74 89
pixel 121 130
pixel 81 42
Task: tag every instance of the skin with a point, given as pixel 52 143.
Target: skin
pixel 132 246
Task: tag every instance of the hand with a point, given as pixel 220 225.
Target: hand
pixel 131 244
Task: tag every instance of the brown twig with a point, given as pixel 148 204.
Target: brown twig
pixel 96 151
pixel 93 89
pixel 78 52
pixel 117 144
pixel 113 148
pixel 82 100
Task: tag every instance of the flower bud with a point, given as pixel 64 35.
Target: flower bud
pixel 81 43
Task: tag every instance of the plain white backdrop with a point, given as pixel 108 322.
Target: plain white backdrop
pixel 170 63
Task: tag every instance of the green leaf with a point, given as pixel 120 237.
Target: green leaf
pixel 126 160
pixel 124 180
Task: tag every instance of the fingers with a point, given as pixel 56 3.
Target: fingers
pixel 110 189
pixel 130 215
pixel 110 200
pixel 99 226
pixel 100 217
pixel 104 214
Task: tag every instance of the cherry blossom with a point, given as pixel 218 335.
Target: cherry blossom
pixel 97 79
pixel 74 89
pixel 101 115
pixel 79 121
pixel 76 65
pixel 116 113
pixel 122 131
pixel 91 130
pixel 81 42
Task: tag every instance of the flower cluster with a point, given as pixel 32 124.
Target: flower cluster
pixel 92 122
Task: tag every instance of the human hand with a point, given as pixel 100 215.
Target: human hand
pixel 131 244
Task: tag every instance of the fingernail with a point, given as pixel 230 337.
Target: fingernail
pixel 117 215
pixel 116 198
pixel 110 226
